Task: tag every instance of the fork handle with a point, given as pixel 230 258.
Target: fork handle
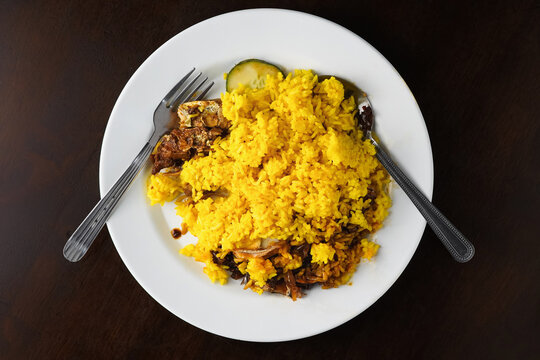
pixel 81 240
pixel 460 248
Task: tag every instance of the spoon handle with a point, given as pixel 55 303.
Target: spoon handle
pixel 460 248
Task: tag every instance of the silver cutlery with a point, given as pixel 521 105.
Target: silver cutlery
pixel 165 118
pixel 459 247
pixel 188 88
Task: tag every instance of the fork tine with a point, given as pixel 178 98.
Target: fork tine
pixel 177 86
pixel 182 93
pixel 205 91
pixel 190 96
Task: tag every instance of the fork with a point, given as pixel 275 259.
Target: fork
pixel 164 119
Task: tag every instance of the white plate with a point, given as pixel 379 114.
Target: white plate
pixel 141 233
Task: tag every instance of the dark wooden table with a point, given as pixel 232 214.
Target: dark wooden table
pixel 474 70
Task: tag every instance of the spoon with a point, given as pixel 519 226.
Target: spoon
pixel 459 247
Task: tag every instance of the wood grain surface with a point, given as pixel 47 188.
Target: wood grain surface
pixel 474 69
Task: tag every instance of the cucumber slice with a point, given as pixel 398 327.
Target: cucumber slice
pixel 251 73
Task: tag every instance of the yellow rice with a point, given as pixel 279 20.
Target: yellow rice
pixel 294 167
